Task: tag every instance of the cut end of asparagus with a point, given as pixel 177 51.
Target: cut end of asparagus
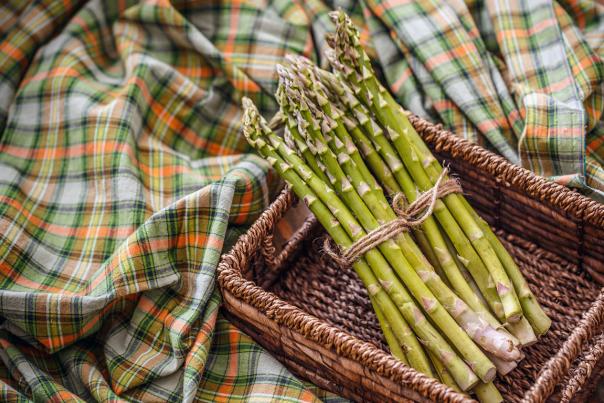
pixel 503 367
pixel 514 318
pixel 536 316
pixel 523 332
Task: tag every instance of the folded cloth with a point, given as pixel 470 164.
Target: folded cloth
pixel 123 175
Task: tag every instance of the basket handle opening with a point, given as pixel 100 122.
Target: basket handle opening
pixel 290 228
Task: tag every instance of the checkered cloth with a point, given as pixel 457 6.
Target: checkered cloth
pixel 123 175
pixel 524 78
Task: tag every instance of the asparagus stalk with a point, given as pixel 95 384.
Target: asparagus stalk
pixel 521 330
pixel 466 274
pixel 415 353
pixel 503 367
pixel 392 313
pixel 461 283
pixel 388 279
pixel 314 88
pixel 393 343
pixel 499 343
pixel 296 138
pixel 426 247
pixel 356 67
pixel 443 373
pixel 390 337
pixel 487 393
pixel 334 174
pixel 291 134
pixel 344 230
pixel 531 308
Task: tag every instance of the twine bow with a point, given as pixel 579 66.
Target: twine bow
pixel 408 218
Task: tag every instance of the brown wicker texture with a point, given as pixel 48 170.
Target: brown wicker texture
pixel 316 318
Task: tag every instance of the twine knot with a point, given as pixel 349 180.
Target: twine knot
pixel 409 217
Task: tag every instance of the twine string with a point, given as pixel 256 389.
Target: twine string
pixel 409 217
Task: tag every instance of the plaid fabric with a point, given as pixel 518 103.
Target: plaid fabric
pixel 524 78
pixel 123 175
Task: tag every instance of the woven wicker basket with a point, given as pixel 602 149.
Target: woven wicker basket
pixel 317 320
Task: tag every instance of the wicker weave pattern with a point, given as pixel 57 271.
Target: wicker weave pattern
pixel 316 318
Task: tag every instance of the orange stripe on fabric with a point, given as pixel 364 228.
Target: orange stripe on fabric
pixel 67 339
pixel 234 18
pixel 8 49
pixel 191 238
pixel 232 369
pixel 59 71
pixel 506 34
pixel 66 231
pixel 396 86
pixel 8 272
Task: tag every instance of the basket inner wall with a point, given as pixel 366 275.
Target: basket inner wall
pixel 316 285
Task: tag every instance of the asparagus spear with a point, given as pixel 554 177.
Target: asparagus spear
pixel 522 329
pixel 430 254
pixel 387 277
pixel 540 321
pixel 487 393
pixel 443 373
pixel 393 343
pixel 296 138
pixel 503 367
pixel 339 157
pixel 531 308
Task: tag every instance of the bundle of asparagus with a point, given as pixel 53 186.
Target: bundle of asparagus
pixel 449 298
